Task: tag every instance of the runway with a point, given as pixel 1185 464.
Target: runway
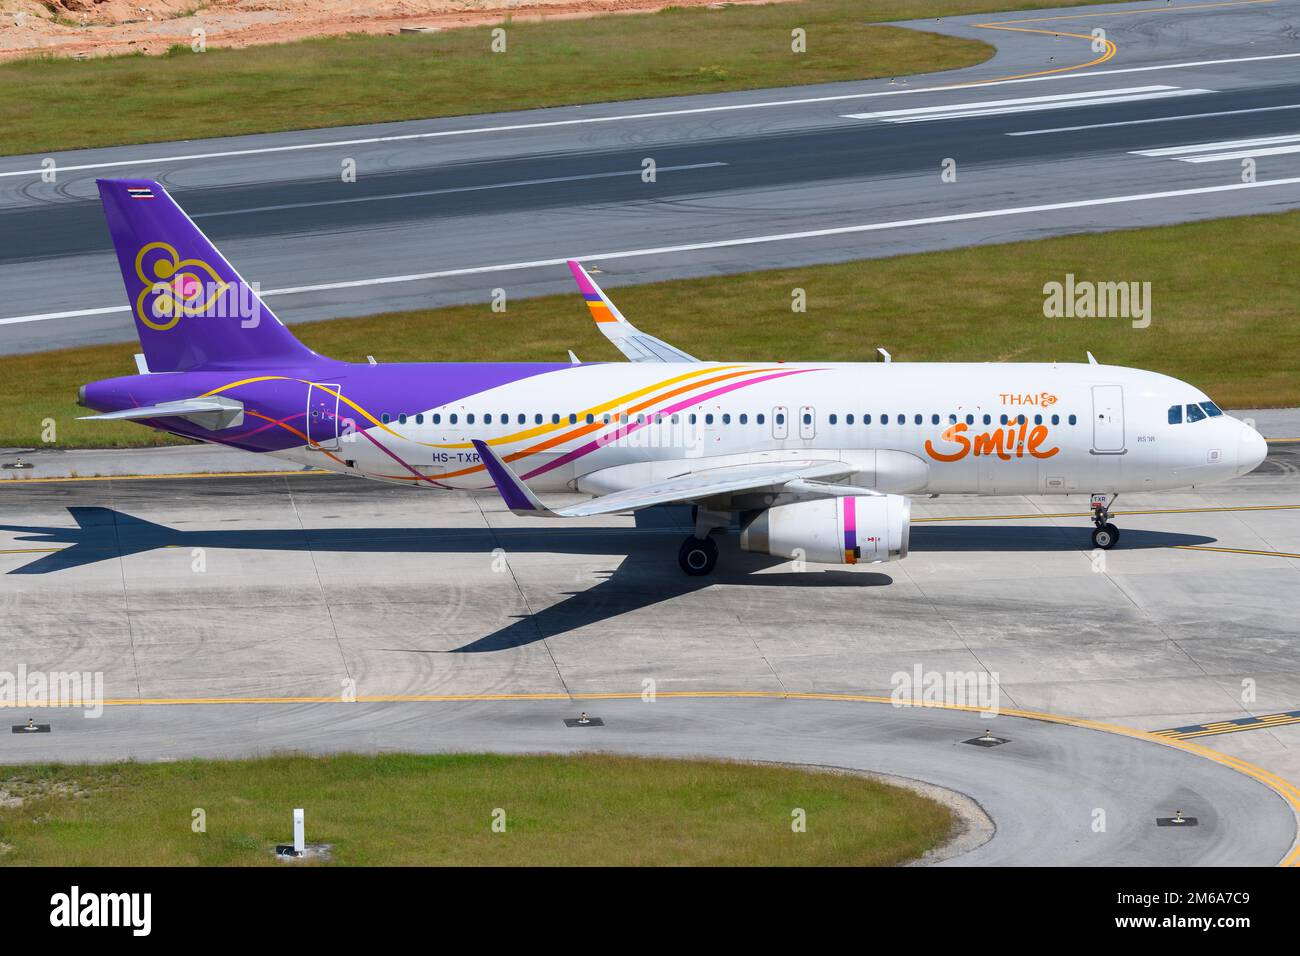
pixel 1048 137
pixel 459 626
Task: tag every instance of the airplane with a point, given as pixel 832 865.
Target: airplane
pixel 813 461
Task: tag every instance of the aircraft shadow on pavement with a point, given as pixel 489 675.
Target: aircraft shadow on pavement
pixel 984 537
pixel 646 575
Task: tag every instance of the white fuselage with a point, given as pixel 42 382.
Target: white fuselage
pixel 911 428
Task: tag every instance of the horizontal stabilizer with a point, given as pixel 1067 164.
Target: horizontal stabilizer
pixel 214 413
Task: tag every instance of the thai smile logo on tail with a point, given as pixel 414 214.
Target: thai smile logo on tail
pixel 173 287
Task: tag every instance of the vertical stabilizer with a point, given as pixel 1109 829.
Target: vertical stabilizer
pixel 191 308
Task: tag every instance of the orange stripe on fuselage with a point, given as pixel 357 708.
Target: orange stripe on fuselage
pixel 586 429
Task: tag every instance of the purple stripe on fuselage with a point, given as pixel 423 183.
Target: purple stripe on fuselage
pixel 395 390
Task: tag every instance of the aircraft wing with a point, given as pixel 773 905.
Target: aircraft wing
pixel 627 338
pixel 807 478
pixel 212 413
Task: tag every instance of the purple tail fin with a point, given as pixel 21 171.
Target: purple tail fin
pixel 191 308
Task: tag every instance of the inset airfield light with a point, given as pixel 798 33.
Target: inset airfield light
pixel 31 727
pixel 31 723
pixel 583 718
pixel 1178 818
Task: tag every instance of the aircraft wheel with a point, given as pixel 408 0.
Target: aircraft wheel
pixel 698 556
pixel 1105 537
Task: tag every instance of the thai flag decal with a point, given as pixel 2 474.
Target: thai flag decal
pixel 139 192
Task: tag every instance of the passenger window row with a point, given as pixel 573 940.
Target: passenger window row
pixel 616 418
pixel 742 418
pixel 918 419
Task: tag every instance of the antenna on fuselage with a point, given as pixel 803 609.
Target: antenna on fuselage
pixel 1092 359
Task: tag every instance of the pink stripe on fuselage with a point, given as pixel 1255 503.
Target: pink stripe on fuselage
pixel 633 426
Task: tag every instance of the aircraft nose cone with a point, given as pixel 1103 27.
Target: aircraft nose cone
pixel 1251 450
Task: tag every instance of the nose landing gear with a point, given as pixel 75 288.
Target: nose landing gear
pixel 1104 535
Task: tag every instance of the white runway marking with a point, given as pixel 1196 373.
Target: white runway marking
pixel 1222 144
pixel 1241 154
pixel 514 127
pixel 1030 104
pixel 453 189
pixel 1155 119
pixel 1226 150
pixel 719 244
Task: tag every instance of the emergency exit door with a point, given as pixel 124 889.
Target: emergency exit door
pixel 780 422
pixel 807 422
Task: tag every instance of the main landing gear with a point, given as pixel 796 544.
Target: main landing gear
pixel 698 554
pixel 1105 535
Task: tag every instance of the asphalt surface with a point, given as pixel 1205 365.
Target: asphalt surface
pixel 447 617
pixel 469 204
pixel 296 588
pixel 1045 789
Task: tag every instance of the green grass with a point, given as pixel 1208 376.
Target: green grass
pixel 1225 295
pixel 51 103
pixel 406 810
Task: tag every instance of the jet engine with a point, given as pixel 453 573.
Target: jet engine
pixel 849 530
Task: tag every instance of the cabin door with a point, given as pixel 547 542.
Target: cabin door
pixel 323 416
pixel 1108 419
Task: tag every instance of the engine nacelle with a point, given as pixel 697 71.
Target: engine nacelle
pixel 866 529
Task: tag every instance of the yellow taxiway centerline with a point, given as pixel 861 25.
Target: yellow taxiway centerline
pixel 1283 788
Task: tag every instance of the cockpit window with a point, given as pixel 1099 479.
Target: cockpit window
pixel 1175 414
pixel 1194 413
pixel 1211 409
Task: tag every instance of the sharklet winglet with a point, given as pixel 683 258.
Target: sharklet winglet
pixel 626 337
